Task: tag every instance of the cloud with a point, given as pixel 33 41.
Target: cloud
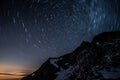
pixel 13 74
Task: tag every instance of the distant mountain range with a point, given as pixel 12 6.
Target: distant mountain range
pixel 96 60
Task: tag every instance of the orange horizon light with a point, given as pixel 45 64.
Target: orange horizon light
pixel 13 72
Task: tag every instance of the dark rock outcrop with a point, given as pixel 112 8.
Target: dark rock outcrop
pixel 98 60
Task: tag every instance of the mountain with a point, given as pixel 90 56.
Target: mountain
pixel 96 60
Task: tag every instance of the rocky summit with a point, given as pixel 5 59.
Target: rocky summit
pixel 96 60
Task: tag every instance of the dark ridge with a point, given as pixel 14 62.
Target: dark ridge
pixel 98 60
pixel 106 36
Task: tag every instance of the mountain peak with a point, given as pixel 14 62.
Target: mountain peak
pixel 98 60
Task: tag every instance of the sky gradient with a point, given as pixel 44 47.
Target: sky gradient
pixel 31 31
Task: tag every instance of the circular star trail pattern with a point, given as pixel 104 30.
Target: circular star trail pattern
pixel 33 30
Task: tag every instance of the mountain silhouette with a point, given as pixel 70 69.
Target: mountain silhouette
pixel 96 60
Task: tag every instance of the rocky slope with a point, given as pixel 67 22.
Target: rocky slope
pixel 98 60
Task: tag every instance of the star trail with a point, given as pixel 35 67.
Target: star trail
pixel 31 31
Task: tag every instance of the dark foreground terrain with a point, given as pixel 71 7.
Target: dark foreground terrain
pixel 96 60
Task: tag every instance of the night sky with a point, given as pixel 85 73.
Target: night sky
pixel 31 31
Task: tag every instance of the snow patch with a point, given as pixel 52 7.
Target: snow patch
pixel 53 62
pixel 97 43
pixel 33 74
pixel 63 74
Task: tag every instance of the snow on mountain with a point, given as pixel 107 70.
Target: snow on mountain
pixel 96 60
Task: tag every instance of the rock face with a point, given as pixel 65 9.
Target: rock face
pixel 98 60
